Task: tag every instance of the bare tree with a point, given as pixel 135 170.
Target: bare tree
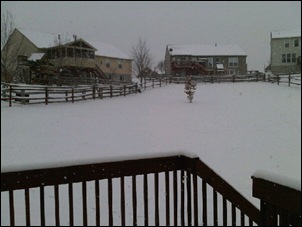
pixel 142 58
pixel 161 66
pixel 7 27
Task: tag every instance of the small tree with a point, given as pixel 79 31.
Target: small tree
pixel 190 87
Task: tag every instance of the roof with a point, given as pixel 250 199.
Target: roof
pixel 40 39
pixel 36 56
pixel 286 34
pixel 46 40
pixel 107 50
pixel 206 50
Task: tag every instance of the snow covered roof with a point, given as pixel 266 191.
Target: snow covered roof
pixel 46 40
pixel 36 56
pixel 286 34
pixel 40 39
pixel 104 49
pixel 205 50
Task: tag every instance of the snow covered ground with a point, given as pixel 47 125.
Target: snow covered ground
pixel 235 128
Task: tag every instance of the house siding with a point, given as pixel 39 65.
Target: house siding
pixel 278 49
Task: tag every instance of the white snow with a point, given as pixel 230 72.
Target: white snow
pixel 286 33
pixel 105 49
pixel 36 56
pixel 277 178
pixel 235 128
pixel 206 50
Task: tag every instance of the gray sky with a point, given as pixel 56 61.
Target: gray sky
pixel 246 24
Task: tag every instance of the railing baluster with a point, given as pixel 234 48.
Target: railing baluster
pixel 84 195
pixel 233 215
pixel 27 206
pixel 146 199
pixel 175 196
pixel 11 208
pixel 225 211
pixel 57 206
pixel 242 218
pixel 123 218
pixel 110 211
pixel 167 180
pixel 70 195
pixel 97 202
pixel 189 199
pixel 182 197
pixel 134 200
pixel 195 191
pixel 215 221
pixel 42 206
pixel 156 199
pixel 204 203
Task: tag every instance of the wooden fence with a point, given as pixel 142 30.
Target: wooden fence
pixel 35 94
pixel 174 190
pixel 287 79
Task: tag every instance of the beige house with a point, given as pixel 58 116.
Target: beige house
pixel 204 59
pixel 79 57
pixel 285 52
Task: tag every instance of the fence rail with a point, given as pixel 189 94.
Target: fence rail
pixel 287 79
pixel 174 190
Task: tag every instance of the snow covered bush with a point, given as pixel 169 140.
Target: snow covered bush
pixel 190 87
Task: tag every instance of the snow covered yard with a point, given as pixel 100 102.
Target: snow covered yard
pixel 235 128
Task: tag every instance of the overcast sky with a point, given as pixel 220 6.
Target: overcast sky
pixel 246 24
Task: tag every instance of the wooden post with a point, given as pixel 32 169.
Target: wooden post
pixel 278 78
pixel 145 85
pixel 124 89
pixel 46 96
pixel 101 92
pixel 159 82
pixel 10 95
pixel 111 91
pixel 289 79
pixel 93 91
pixel 135 88
pixel 152 83
pixel 212 81
pixel 269 78
pixel 72 95
pixel 233 78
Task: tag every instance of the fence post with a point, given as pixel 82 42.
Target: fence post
pixel 233 78
pixel 152 83
pixel 46 96
pixel 170 79
pixel 10 95
pixel 72 95
pixel 159 82
pixel 257 77
pixel 66 96
pixel 289 79
pixel 145 85
pixel 111 91
pixel 269 78
pixel 93 91
pixel 135 88
pixel 124 89
pixel 278 78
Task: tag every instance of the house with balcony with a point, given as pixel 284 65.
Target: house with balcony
pixel 48 55
pixel 285 56
pixel 181 60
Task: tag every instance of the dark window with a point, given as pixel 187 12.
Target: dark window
pixel 296 42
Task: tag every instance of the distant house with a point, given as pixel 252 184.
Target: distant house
pixel 204 59
pixel 285 52
pixel 78 57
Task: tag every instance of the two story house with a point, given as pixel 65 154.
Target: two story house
pixel 204 59
pixel 285 54
pixel 78 56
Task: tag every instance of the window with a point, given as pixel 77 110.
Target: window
pixel 294 58
pixel 283 58
pixel 286 43
pixel 233 61
pixel 107 63
pixel 120 64
pixel 217 60
pixel 296 42
pixel 210 62
pixel 288 58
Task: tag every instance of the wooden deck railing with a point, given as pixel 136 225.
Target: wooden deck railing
pixel 280 205
pixel 174 190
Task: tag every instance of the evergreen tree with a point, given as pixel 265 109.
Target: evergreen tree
pixel 190 87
